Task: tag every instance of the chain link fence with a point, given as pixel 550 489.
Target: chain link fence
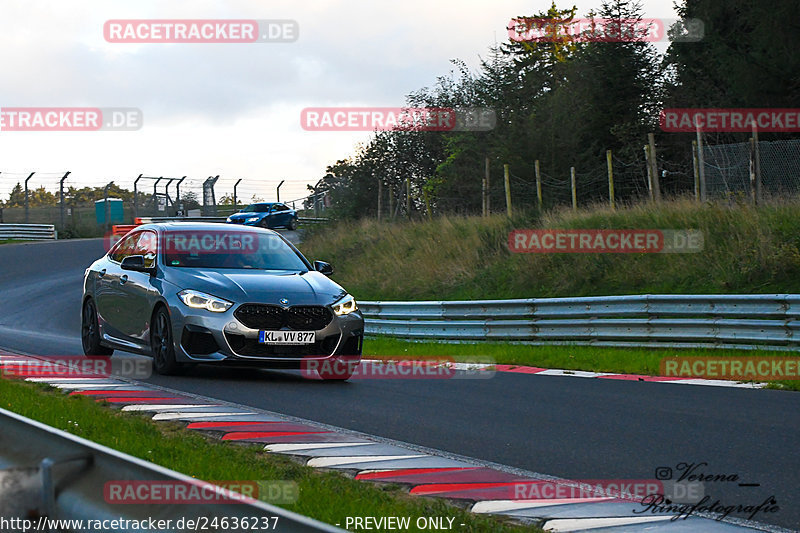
pixel 728 167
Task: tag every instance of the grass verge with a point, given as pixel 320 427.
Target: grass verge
pixel 644 361
pixel 325 496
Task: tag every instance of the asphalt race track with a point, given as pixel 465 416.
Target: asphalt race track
pixel 561 426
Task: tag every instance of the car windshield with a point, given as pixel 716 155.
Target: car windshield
pixel 257 208
pixel 239 250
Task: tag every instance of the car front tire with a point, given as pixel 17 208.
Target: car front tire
pixel 161 344
pixel 293 224
pixel 90 331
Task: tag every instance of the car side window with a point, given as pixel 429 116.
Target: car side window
pixel 281 207
pixel 124 248
pixel 146 246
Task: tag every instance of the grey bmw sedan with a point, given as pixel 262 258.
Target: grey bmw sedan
pixel 189 293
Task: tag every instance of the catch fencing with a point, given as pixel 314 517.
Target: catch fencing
pixel 742 321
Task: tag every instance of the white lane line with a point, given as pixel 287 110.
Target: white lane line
pixel 106 386
pixel 717 383
pixel 500 506
pixel 187 416
pixel 279 448
pixel 585 524
pixel 52 380
pixel 334 461
pixel 573 373
pixel 162 406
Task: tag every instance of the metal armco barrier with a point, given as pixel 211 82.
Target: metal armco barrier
pixel 48 473
pixel 745 321
pixel 28 232
pixel 311 220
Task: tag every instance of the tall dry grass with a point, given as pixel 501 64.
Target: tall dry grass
pixel 747 250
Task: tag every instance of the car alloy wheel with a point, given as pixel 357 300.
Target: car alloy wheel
pixel 161 344
pixel 90 331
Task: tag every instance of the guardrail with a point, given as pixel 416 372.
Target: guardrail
pixel 312 220
pixel 744 321
pixel 68 484
pixel 28 232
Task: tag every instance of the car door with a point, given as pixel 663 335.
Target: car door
pixel 108 296
pixel 281 215
pixel 138 292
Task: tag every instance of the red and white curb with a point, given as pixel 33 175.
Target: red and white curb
pixel 485 489
pixel 532 370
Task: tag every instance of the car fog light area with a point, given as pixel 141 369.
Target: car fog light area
pixel 201 300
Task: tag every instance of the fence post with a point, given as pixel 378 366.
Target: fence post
pixel 380 194
pixel 178 195
pixel 574 195
pixel 654 162
pixel 26 196
pixel 486 207
pixel 427 203
pixel 610 181
pixel 136 197
pixel 508 189
pixel 408 198
pixel 756 164
pixel 61 198
pixel 391 202
pixel 695 168
pixel 649 171
pixel 538 184
pixel 702 164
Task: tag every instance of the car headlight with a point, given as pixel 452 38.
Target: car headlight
pixel 345 306
pixel 251 219
pixel 201 300
pixel 230 219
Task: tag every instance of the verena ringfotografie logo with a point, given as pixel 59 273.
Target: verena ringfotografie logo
pixel 729 120
pixel 544 29
pixel 397 119
pixel 70 119
pixel 732 368
pixel 201 31
pixel 75 366
pixel 604 241
pixel 169 492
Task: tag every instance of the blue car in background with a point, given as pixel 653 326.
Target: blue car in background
pixel 266 215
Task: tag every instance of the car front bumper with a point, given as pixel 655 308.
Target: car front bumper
pixel 205 337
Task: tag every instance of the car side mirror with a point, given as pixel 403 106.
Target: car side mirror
pixel 135 263
pixel 323 268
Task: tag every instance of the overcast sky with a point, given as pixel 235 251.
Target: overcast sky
pixel 228 109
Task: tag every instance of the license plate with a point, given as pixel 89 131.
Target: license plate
pixel 287 337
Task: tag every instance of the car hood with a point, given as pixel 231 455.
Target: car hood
pixel 258 286
pixel 247 215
